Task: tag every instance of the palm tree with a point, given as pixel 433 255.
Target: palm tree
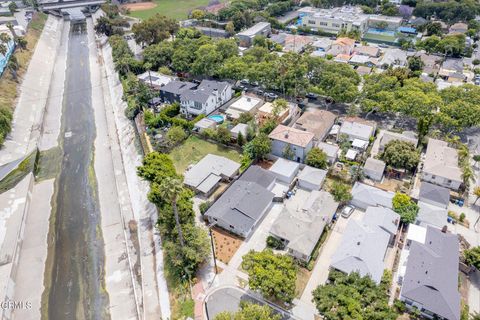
pixel 476 192
pixel 3 49
pixel 12 65
pixel 169 189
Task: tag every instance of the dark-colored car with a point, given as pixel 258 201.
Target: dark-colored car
pixel 312 96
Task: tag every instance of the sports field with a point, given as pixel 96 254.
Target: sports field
pixel 177 9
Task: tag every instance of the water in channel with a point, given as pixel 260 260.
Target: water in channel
pixel 77 288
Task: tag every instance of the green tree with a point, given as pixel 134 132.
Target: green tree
pixel 340 192
pixel 223 135
pixel 288 152
pixel 169 189
pixel 5 123
pixel 186 259
pixel 12 7
pixel 405 207
pixel 434 29
pixel 472 257
pixel 317 158
pixel 353 297
pixel 154 30
pixel 156 167
pixel 175 135
pixel 240 139
pixel 401 154
pixel 274 275
pixel 415 63
pixel 207 61
pixel 259 147
pixel 249 311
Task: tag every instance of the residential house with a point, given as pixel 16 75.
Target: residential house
pixel 207 97
pixel 428 273
pixel 431 63
pixel 311 178
pixel 458 28
pixel 204 123
pixel 298 141
pixel 267 111
pixel 393 57
pixel 342 46
pixel 285 170
pixel 452 68
pixel 360 60
pixel 155 80
pixel 363 70
pixel 357 128
pixel 205 176
pixel 431 215
pixel 296 43
pixel 300 229
pixel 342 58
pixel 172 91
pixel 440 166
pixel 369 51
pixel 239 128
pixel 246 104
pixel 317 121
pixel 434 195
pixel 260 29
pixel 331 150
pixel 388 136
pixel 322 44
pixel 364 243
pixel 364 196
pixel 374 169
pixel 244 204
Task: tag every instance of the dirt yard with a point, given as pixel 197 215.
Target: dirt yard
pixel 226 244
pixel 139 6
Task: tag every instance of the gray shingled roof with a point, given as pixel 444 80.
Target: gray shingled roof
pixel 432 192
pixel 178 87
pixel 303 227
pixel 204 91
pixel 431 276
pixel 365 242
pixel 429 214
pixel 244 201
pixel 210 165
pixel 371 195
pixel 258 175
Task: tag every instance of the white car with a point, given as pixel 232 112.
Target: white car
pixel 347 211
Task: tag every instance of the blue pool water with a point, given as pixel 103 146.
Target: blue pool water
pixel 217 118
pixel 380 31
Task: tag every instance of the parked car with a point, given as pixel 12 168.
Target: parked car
pixel 244 81
pixel 312 95
pixel 270 95
pixel 255 83
pixel 347 211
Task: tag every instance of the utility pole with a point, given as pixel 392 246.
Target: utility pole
pixel 213 246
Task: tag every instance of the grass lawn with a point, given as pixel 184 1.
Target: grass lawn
pixel 177 9
pixel 194 149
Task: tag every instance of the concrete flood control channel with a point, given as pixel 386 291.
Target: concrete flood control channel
pixel 75 286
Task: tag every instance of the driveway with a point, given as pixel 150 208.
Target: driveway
pixel 322 267
pixel 257 242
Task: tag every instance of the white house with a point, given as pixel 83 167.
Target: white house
pixel 207 97
pixel 300 142
pixel 441 165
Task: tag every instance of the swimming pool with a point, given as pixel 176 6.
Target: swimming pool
pixel 217 118
pixel 381 32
